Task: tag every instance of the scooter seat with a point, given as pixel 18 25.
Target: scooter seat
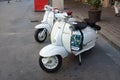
pixel 92 24
pixel 79 25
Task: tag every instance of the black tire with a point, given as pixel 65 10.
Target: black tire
pixel 53 69
pixel 36 35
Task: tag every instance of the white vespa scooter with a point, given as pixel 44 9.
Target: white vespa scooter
pixel 46 25
pixel 45 28
pixel 67 38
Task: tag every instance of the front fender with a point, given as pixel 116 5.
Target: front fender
pixel 52 50
pixel 44 25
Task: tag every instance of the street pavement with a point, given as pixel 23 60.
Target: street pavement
pixel 19 52
pixel 3 0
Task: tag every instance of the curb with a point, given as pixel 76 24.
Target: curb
pixel 110 41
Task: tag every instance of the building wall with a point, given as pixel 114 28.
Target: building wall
pixel 58 4
pixel 84 1
pixel 105 2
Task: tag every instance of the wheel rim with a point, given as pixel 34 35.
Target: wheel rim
pixel 41 36
pixel 50 62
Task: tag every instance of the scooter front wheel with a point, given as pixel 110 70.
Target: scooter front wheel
pixel 40 35
pixel 50 64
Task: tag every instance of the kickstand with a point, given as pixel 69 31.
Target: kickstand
pixel 79 59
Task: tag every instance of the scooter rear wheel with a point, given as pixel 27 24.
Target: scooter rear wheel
pixel 50 64
pixel 39 37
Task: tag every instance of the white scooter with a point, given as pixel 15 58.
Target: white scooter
pixel 45 28
pixel 67 38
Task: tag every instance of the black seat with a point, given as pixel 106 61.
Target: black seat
pixel 92 24
pixel 79 25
